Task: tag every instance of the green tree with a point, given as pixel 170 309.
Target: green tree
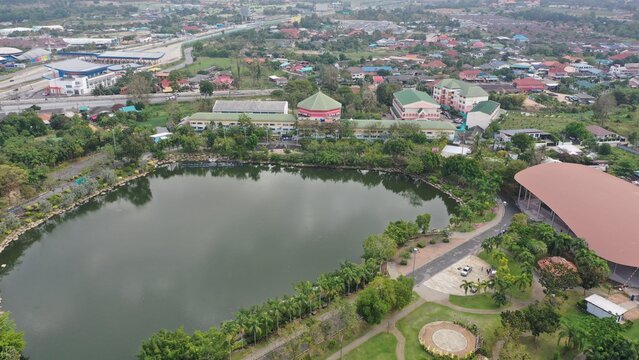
pixel 379 247
pixel 603 106
pixel 576 130
pixel 166 345
pixel 11 178
pixel 606 341
pixel 403 291
pixel 207 88
pixel 624 167
pixel 523 142
pixel 541 318
pixel 423 221
pixel 400 231
pixel 556 278
pixel 593 270
pixel 11 341
pixel 139 88
pixel 376 300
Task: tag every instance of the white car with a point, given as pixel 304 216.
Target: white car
pixel 466 270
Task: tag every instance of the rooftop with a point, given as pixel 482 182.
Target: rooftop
pixel 319 102
pixel 384 124
pixel 605 304
pixel 512 132
pixel 131 55
pixel 486 107
pixel 250 106
pixel 410 96
pixel 467 89
pixel 76 65
pixel 33 54
pixel 206 116
pixel 599 131
pixel 9 51
pixel 596 206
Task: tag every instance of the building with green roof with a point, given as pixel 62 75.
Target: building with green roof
pixel 380 129
pixel 483 114
pixel 457 95
pixel 278 123
pixel 411 104
pixel 319 106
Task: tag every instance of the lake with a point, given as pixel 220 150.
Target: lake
pixel 189 247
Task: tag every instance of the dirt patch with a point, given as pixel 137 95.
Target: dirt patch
pixel 632 314
pixel 446 338
pixel 618 298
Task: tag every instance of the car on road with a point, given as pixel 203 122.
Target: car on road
pixel 466 270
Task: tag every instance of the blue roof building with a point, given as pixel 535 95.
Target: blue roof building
pixel 520 38
pixel 375 69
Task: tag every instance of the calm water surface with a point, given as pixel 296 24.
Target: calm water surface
pixel 190 247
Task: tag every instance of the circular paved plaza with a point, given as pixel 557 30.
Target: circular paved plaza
pixel 446 338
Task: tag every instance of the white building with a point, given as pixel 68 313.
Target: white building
pixel 483 114
pixel 80 85
pixel 602 307
pixel 89 41
pixel 458 95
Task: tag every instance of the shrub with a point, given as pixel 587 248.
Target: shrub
pixel 403 262
pixel 432 241
pixel 421 245
pixel 446 240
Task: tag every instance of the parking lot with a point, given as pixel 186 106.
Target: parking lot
pixel 449 280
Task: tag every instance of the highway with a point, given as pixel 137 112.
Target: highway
pixel 26 83
pixel 72 103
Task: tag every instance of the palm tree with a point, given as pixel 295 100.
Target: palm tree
pixel 254 326
pixel 231 330
pixel 466 285
pixel 348 274
pixel 304 291
pixel 266 320
pixel 292 307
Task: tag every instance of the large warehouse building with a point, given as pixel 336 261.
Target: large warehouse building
pixel 595 206
pixel 78 77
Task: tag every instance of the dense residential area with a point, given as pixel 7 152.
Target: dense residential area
pixel 357 179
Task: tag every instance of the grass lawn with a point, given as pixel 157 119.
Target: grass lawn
pixel 158 115
pixel 379 347
pixel 479 301
pixel 553 123
pixel 622 122
pixel 429 312
pixel 203 63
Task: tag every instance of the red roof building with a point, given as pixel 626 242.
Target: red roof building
pixel 622 55
pixel 435 64
pixel 529 84
pixel 224 81
pixel 469 75
pixel 292 33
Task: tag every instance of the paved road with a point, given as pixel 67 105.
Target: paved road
pixel 29 81
pixel 433 267
pixel 73 102
pixel 188 60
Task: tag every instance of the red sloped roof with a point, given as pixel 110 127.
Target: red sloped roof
pixel 598 207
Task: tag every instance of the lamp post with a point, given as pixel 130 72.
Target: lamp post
pixel 415 250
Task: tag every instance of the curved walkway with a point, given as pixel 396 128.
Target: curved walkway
pixel 386 325
pixel 472 242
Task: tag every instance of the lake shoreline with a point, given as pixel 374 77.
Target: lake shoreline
pixel 204 158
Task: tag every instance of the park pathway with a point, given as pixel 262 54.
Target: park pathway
pixel 471 243
pixel 386 325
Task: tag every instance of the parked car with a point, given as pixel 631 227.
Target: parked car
pixel 466 270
